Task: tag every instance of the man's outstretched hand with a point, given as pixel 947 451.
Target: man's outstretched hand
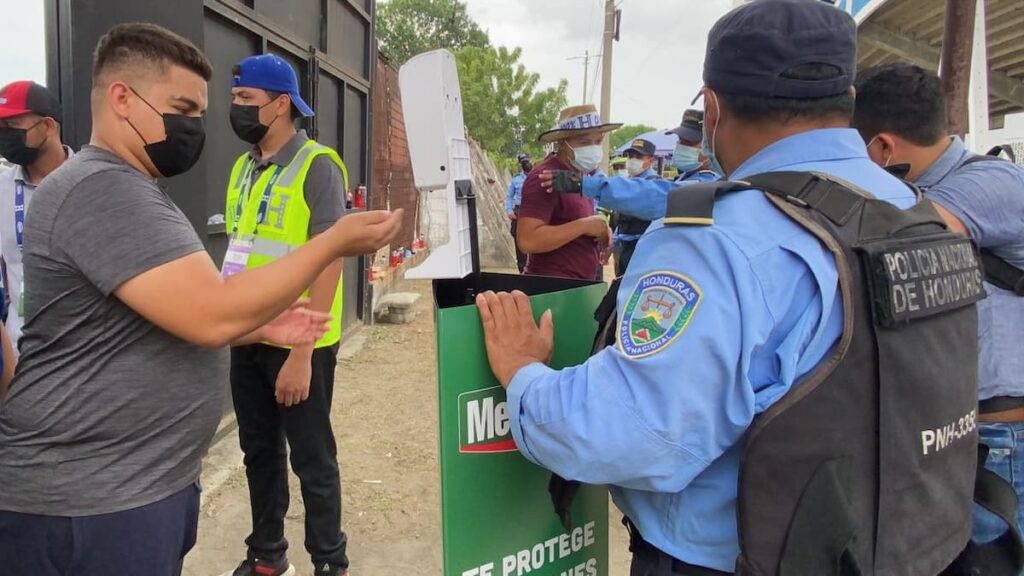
pixel 513 338
pixel 295 326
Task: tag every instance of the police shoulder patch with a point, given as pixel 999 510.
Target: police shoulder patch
pixel 657 312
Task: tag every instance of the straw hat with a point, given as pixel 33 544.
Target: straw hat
pixel 576 120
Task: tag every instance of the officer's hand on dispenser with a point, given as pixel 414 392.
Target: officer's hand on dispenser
pixel 513 338
pixel 597 228
pixel 561 181
pixel 364 232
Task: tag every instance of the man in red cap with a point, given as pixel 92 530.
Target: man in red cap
pixel 30 118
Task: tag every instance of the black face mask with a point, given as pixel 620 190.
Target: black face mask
pixel 13 148
pixel 245 121
pixel 180 150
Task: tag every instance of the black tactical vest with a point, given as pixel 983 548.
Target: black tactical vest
pixel 626 224
pixel 867 466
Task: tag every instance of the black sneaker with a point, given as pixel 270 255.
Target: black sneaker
pixel 326 569
pixel 258 567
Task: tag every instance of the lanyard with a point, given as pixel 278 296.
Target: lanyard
pixel 243 197
pixel 19 213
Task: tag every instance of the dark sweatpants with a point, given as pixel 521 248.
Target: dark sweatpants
pixel 266 430
pixel 150 540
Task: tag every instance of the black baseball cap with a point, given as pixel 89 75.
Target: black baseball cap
pixel 24 97
pixel 641 146
pixel 750 48
pixel 691 127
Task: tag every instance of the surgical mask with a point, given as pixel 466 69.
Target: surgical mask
pixel 685 158
pixel 13 147
pixel 587 158
pixel 180 149
pixel 622 173
pixel 635 166
pixel 707 147
pixel 245 121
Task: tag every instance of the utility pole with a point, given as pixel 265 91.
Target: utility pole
pixel 611 34
pixel 957 42
pixel 587 57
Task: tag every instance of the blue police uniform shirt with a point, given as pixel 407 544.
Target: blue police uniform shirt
pixel 716 323
pixel 988 197
pixel 638 197
pixel 646 175
pixel 514 194
pixel 699 175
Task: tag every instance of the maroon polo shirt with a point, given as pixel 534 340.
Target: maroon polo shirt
pixel 577 259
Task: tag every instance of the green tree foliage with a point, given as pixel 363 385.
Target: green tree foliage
pixel 501 100
pixel 627 133
pixel 407 27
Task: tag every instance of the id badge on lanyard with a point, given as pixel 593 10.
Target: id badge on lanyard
pixel 237 256
pixel 19 236
pixel 240 247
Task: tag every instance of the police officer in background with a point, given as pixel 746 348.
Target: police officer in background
pixel 629 229
pixel 687 157
pixel 513 198
pixel 748 330
pixel 901 116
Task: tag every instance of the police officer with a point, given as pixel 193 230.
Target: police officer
pixel 629 229
pixel 747 331
pixel 618 167
pixel 901 116
pixel 687 157
pixel 513 198
pixel 284 191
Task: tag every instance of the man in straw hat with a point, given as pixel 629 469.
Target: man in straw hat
pixel 561 232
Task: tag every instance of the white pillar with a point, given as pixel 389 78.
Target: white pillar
pixel 978 138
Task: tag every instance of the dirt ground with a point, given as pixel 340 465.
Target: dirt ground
pixel 385 419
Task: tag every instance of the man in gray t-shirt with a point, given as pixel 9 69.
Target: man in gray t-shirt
pixel 118 391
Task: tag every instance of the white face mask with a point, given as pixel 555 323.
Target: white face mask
pixel 587 158
pixel 622 173
pixel 635 166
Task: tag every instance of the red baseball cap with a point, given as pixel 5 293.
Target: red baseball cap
pixel 24 97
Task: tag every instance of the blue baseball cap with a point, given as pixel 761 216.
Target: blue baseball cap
pixel 270 72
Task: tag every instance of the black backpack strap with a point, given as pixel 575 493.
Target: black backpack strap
pixel 998 271
pixel 1001 273
pixel 1003 556
pixel 833 200
pixel 694 204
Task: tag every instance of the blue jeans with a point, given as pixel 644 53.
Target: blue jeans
pixel 150 540
pixel 1005 457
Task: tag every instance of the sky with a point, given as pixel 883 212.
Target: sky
pixel 22 41
pixel 656 66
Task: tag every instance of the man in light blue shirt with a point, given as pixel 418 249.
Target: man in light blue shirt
pixel 513 198
pixel 628 228
pixel 664 426
pixel 901 116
